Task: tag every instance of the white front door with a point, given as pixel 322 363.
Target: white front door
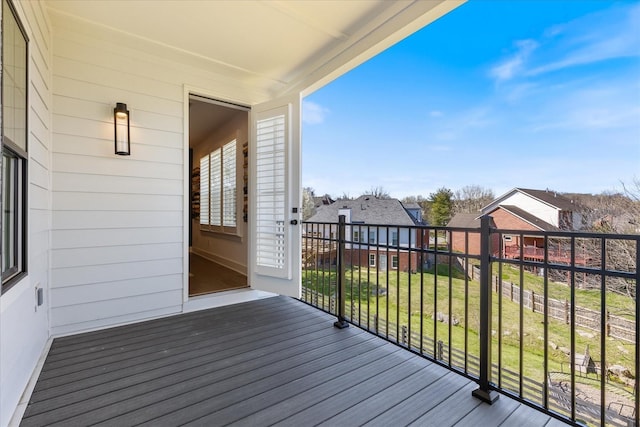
pixel 275 197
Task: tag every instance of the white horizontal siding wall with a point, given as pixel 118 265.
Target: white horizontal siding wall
pixel 24 327
pixel 534 207
pixel 118 221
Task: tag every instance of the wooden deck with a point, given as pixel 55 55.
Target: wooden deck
pixel 271 361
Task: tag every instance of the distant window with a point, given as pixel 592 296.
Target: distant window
pixel 394 262
pixel 394 238
pixel 218 189
pixel 356 235
pixel 372 260
pixel 14 148
pixel 372 237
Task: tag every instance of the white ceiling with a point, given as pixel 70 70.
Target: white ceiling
pixel 275 46
pixel 205 118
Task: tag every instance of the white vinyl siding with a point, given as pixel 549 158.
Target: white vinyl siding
pixel 24 328
pixel 270 193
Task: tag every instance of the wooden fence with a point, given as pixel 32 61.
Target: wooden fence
pixel 616 326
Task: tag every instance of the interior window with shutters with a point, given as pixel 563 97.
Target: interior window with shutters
pixel 218 190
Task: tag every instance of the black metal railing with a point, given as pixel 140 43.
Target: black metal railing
pixel 548 318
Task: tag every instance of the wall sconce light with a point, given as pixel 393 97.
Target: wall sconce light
pixel 121 129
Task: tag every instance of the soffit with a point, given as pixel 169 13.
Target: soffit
pixel 271 45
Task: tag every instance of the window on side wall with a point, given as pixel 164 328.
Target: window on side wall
pixel 218 190
pixel 372 260
pixel 394 262
pixel 394 238
pixel 14 148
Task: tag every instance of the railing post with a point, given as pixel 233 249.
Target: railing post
pixel 341 323
pixel 483 391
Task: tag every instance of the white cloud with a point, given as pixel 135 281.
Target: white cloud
pixel 515 64
pixel 313 114
pixel 601 36
pixel 436 113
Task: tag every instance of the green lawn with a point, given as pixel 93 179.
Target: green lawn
pixel 439 292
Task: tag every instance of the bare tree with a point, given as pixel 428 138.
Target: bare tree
pixel 471 199
pixel 612 213
pixel 378 192
pixel 308 203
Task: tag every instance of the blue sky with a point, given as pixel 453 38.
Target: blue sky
pixel 533 94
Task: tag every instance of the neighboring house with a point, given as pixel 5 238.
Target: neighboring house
pixel 92 239
pixel 523 210
pixel 543 209
pixel 468 240
pixel 322 200
pixel 378 233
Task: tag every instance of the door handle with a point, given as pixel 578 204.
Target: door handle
pixel 293 222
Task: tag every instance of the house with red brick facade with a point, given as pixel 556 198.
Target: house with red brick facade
pixel 379 232
pixel 519 209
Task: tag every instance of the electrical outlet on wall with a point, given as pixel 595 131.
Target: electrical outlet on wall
pixel 39 297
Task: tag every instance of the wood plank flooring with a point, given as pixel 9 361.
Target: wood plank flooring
pixel 274 361
pixel 206 277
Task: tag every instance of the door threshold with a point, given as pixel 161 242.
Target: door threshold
pixel 219 299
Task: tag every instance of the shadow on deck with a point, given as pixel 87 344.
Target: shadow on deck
pixel 271 361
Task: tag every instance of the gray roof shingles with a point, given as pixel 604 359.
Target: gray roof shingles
pixel 366 210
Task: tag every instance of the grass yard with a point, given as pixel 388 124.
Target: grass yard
pixel 401 305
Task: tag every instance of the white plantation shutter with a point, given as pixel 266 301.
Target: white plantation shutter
pixel 215 190
pixel 270 193
pixel 275 194
pixel 204 192
pixel 229 184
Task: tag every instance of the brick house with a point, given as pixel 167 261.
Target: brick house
pixel 379 232
pixel 519 209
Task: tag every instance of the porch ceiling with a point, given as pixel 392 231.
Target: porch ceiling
pixel 275 46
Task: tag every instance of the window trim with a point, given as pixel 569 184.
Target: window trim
pixel 394 260
pixel 372 260
pixel 22 175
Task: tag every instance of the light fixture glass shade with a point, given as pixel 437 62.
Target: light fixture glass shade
pixel 121 129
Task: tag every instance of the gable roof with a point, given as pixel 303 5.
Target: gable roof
pixel 366 210
pixel 411 205
pixel 465 220
pixel 548 197
pixel 551 198
pixel 526 216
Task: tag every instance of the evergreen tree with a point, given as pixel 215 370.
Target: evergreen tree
pixel 441 206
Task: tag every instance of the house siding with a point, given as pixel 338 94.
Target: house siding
pixel 507 221
pixel 537 208
pixel 24 326
pixel 118 222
